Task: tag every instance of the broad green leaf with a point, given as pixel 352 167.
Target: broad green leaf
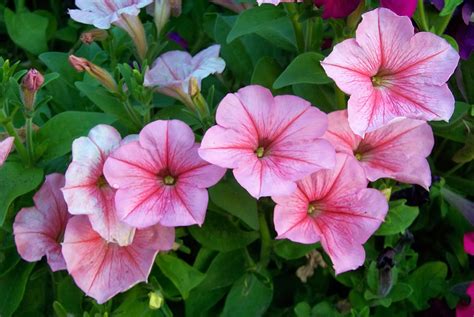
pixel 304 69
pixel 399 218
pixel 219 233
pixel 105 102
pixel 60 131
pixel 270 22
pixel 466 153
pixel 183 276
pixel 59 62
pixel 290 250
pixel 400 291
pixel 12 288
pixel 28 30
pixel 16 181
pixel 266 72
pixel 321 96
pixel 325 309
pixel 69 296
pixel 302 309
pixel 136 303
pixel 8 260
pixel 231 197
pixel 450 6
pixel 427 282
pixel 249 296
pixel 455 129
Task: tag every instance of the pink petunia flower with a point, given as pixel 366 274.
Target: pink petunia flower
pixel 469 243
pixel 337 8
pixel 397 150
pixel 161 178
pixel 124 14
pixel 87 192
pixel 172 72
pixel 406 7
pixel 391 72
pixel 6 147
pixel 336 208
pixel 466 310
pixel 103 269
pixel 270 142
pixel 39 230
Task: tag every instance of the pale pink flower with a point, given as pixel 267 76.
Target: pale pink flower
pixel 38 230
pixel 270 142
pixel 161 178
pixel 336 208
pixel 397 150
pixel 87 192
pixel 6 147
pixel 391 72
pixel 103 269
pixel 172 72
pixel 276 2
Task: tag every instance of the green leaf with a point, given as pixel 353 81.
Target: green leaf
pixel 428 281
pixel 60 131
pixel 231 197
pixel 59 62
pixel 304 69
pixel 28 30
pixel 400 291
pixel 8 260
pixel 302 309
pixel 183 276
pixel 466 153
pixel 270 22
pixel 290 250
pixel 69 296
pixel 399 218
pixel 450 6
pixel 12 288
pixel 249 296
pixel 220 234
pixel 266 72
pixel 21 180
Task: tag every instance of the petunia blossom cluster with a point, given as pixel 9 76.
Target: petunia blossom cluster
pixel 121 199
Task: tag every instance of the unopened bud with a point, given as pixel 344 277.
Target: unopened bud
pixel 103 76
pixel 156 300
pixel 30 84
pixel 93 35
pixel 161 14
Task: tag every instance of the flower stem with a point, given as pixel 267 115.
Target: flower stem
pixel 340 98
pixel 444 24
pixel 132 114
pixel 294 17
pixel 266 244
pixel 29 141
pixel 309 35
pixel 424 21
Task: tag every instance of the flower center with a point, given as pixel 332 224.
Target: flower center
pixel 169 180
pixel 102 182
pixel 380 80
pixel 260 151
pixel 313 209
pixel 358 156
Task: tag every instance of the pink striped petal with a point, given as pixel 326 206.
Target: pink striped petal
pixel 6 147
pixel 102 269
pixel 38 229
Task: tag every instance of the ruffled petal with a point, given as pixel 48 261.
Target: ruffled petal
pixel 207 62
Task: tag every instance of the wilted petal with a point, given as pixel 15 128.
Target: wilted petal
pixel 102 269
pixel 38 229
pixel 5 149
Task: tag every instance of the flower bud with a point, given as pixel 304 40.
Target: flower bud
pixel 30 84
pixel 176 7
pixel 93 35
pixel 134 27
pixel 156 300
pixel 103 76
pixel 161 14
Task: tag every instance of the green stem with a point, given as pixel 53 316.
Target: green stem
pixel 453 170
pixel 444 24
pixel 294 16
pixel 132 114
pixel 340 98
pixel 8 126
pixel 266 244
pixel 309 35
pixel 29 141
pixel 424 21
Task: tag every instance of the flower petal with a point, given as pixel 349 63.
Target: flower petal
pixel 6 147
pixel 95 264
pixel 469 243
pixel 207 62
pixel 37 229
pixel 340 134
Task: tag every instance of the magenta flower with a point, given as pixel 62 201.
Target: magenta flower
pixel 87 192
pixel 38 230
pixel 172 72
pixel 466 310
pixel 270 142
pixel 397 150
pixel 337 8
pixel 336 208
pixel 406 7
pixel 391 72
pixel 161 178
pixel 469 243
pixel 103 269
pixel 6 147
